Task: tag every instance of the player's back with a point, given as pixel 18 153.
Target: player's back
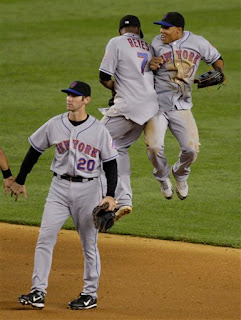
pixel 127 58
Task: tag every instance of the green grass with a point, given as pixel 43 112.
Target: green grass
pixel 47 44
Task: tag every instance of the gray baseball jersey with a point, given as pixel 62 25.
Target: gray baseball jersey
pixel 173 81
pixel 127 59
pixel 79 150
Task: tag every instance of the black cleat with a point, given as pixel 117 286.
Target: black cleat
pixel 83 302
pixel 35 298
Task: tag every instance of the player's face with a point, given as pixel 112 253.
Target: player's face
pixel 74 102
pixel 170 34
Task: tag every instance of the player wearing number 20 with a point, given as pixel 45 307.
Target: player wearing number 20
pixel 127 60
pixel 82 147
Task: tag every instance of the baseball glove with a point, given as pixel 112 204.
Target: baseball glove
pixel 103 220
pixel 210 78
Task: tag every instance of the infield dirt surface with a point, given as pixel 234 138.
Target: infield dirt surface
pixel 141 279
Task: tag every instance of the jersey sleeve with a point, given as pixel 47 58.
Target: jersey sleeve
pixel 39 140
pixel 209 54
pixel 110 59
pixel 108 150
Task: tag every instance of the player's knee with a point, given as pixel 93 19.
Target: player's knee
pixel 191 152
pixel 154 147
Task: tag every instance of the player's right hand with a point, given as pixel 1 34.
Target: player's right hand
pixel 156 63
pixel 17 189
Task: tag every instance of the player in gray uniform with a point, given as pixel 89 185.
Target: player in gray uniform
pixel 177 54
pixel 82 145
pixel 127 59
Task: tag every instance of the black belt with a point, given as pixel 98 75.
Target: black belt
pixel 73 179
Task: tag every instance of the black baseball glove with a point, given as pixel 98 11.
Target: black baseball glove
pixel 210 78
pixel 103 220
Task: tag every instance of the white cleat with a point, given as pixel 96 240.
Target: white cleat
pixel 182 189
pixel 167 189
pixel 122 211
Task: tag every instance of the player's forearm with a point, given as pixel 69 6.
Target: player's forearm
pixel 29 161
pixel 4 165
pixel 219 64
pixel 110 169
pixel 108 84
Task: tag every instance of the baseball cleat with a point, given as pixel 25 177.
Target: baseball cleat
pixel 182 189
pixel 35 298
pixel 83 302
pixel 122 211
pixel 167 189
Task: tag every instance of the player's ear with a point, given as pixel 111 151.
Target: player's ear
pixel 87 100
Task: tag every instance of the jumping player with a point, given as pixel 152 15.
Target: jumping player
pixel 127 60
pixel 177 54
pixel 82 145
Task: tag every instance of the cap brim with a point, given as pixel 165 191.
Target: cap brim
pixel 72 91
pixel 141 34
pixel 163 23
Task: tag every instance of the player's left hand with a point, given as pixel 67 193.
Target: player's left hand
pixel 7 184
pixel 17 189
pixel 111 201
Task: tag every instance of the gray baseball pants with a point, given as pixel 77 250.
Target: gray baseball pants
pixel 65 199
pixel 124 132
pixel 183 126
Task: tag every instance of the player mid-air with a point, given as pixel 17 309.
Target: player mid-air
pixel 126 72
pixel 177 54
pixel 82 146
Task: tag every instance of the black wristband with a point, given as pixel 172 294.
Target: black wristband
pixel 6 173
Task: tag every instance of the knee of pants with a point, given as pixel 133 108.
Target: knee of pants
pixel 47 238
pixel 155 149
pixel 191 153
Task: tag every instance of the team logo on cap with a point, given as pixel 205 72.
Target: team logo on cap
pixel 127 22
pixel 73 84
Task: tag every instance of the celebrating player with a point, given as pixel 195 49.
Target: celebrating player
pixel 127 59
pixel 82 145
pixel 177 54
pixel 6 172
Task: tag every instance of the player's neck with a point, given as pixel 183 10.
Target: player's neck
pixel 79 115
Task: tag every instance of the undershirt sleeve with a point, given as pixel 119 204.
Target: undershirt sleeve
pixel 29 161
pixel 110 169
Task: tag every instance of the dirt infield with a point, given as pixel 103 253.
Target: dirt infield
pixel 140 279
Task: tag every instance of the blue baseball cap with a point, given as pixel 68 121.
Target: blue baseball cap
pixel 79 89
pixel 172 19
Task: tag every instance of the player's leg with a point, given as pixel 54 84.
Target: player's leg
pixel 184 128
pixel 124 133
pixel 155 131
pixel 86 196
pixel 54 215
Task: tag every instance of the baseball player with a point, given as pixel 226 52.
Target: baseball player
pixel 82 146
pixel 8 178
pixel 177 54
pixel 127 58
